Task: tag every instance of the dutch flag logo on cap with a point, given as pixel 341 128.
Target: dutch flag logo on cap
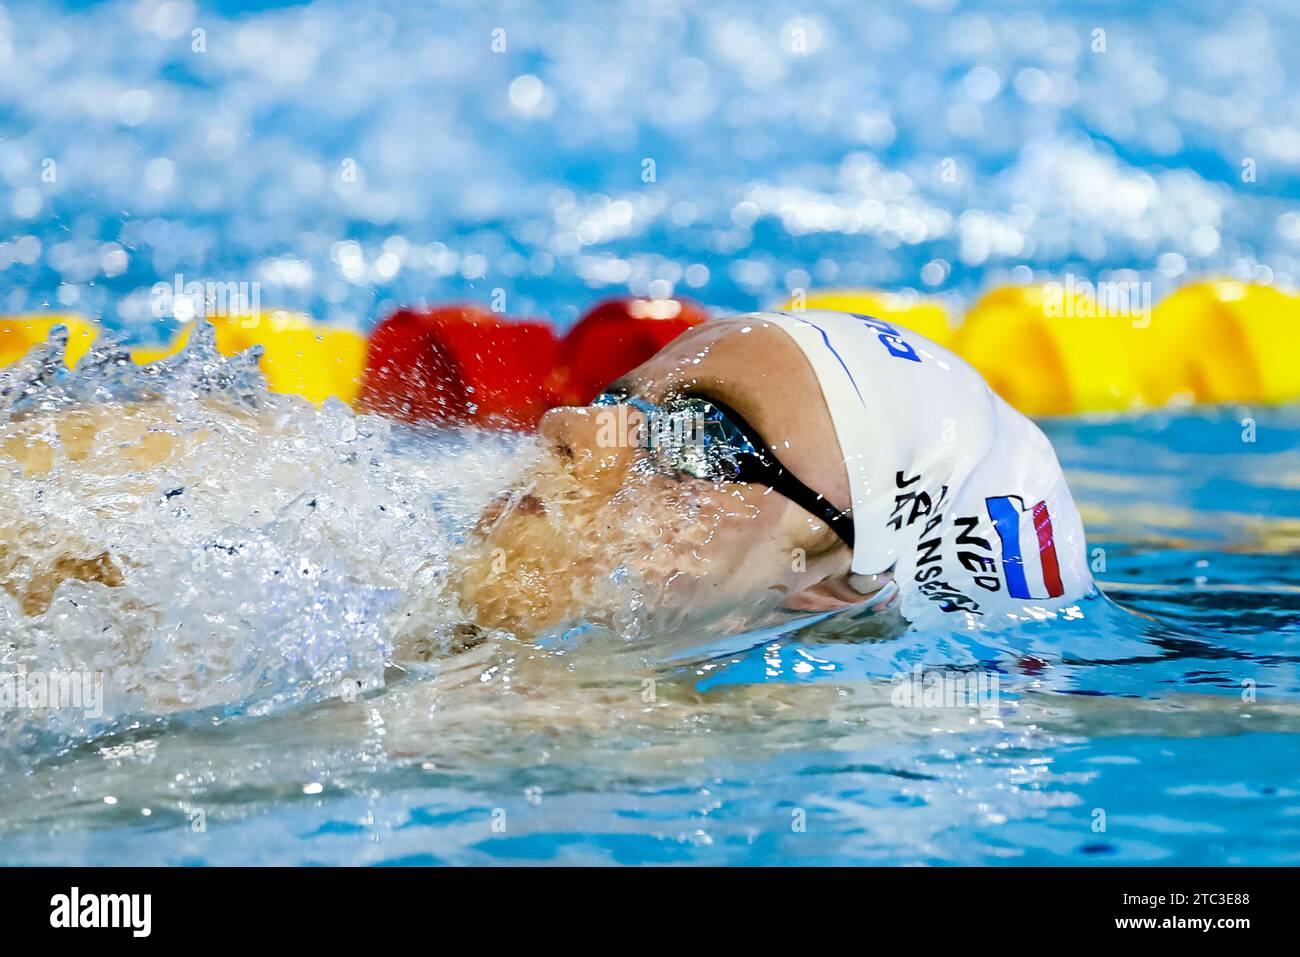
pixel 1028 550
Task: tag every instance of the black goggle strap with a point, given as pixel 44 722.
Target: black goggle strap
pixel 783 482
pixel 759 466
pixel 763 467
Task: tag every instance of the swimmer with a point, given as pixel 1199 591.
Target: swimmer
pixel 771 466
pixel 759 469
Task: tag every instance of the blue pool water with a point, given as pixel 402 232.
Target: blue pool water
pixel 1159 726
pixel 1167 736
pixel 348 161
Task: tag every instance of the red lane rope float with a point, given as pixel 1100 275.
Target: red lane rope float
pixel 612 339
pixel 459 365
pixel 463 365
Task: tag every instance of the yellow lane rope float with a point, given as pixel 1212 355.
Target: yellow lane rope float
pixel 19 334
pixel 299 357
pixel 1224 342
pixel 920 314
pixel 1046 360
pixel 1049 350
pixel 1046 350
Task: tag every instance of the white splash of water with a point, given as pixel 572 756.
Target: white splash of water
pixel 267 560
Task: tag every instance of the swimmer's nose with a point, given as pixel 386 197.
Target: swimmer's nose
pixel 593 438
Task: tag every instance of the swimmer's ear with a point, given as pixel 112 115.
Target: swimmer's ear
pixel 837 592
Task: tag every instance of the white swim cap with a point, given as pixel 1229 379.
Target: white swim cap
pixel 955 491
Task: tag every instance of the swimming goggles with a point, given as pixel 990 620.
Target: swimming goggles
pixel 705 439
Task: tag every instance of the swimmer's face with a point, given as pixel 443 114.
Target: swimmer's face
pixel 598 530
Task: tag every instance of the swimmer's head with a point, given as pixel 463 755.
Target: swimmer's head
pixel 772 465
pixel 602 526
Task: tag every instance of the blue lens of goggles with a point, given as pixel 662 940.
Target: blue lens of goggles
pixel 706 440
pixel 690 435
